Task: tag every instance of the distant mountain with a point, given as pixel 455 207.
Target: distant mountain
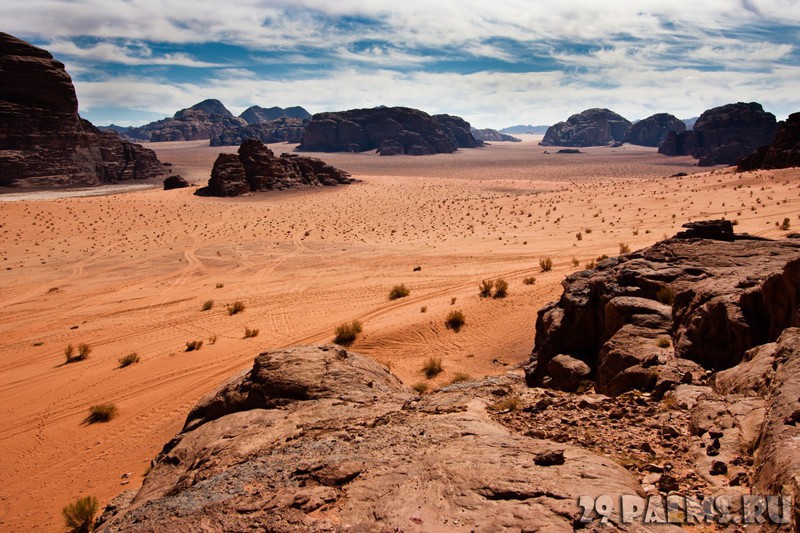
pixel 690 122
pixel 521 129
pixel 256 114
pixel 490 135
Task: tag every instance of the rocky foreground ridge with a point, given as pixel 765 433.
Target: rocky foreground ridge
pixel 322 439
pixel 43 140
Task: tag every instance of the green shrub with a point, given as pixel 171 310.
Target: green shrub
pixel 347 333
pixel 250 333
pixel 192 346
pixel 455 321
pixel 101 413
pixel 500 288
pixel 235 307
pixel 432 367
pixel 399 291
pixel 79 516
pixel 546 264
pixel 207 305
pixel 128 360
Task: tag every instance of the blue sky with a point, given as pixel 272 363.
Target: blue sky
pixel 494 63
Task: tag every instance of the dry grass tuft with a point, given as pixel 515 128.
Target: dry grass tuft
pixel 347 333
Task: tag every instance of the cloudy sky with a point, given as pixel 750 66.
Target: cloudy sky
pixel 494 62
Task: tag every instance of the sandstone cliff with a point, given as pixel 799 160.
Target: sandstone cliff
pixel 783 152
pixel 593 127
pixel 654 129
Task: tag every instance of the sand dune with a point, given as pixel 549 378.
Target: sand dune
pixel 129 273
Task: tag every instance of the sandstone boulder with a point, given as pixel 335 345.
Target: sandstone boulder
pixel 783 152
pixel 654 129
pixel 593 127
pixel 175 182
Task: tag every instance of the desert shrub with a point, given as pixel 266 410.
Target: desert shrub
pixel 420 387
pixel 432 367
pixel 347 333
pixel 602 258
pixel 192 346
pixel 453 300
pixel 398 291
pixel 624 248
pixel 663 342
pixel 665 295
pixel 500 288
pixel 590 265
pixel 485 288
pixel 458 377
pixel 509 404
pixel 417 268
pixel 235 307
pixel 530 280
pixel 220 285
pixel 579 236
pixel 575 262
pixel 212 339
pixel 207 305
pixel 423 309
pixel 250 333
pixel 546 264
pixel 83 352
pixel 128 360
pixel 101 413
pixel 79 516
pixel 455 321
pixel 786 224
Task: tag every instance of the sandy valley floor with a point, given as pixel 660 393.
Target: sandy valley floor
pixel 130 272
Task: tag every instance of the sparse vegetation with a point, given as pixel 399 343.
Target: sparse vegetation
pixel 665 295
pixel 459 377
pixel 530 280
pixel 546 264
pixel 575 262
pixel 207 305
pixel 423 309
pixel 432 367
pixel 500 288
pixel 250 333
pixel 38 343
pixel 103 412
pixel 193 346
pixel 347 333
pixel 486 288
pixel 590 265
pixel 399 291
pixel 128 360
pixel 786 224
pixel 455 321
pixel 420 387
pixel 79 516
pixel 235 307
pixel 83 352
pixel 579 236
pixel 509 404
pixel 220 285
pixel 624 248
pixel 453 300
pixel 663 342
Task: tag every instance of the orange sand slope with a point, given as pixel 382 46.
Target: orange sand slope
pixel 130 272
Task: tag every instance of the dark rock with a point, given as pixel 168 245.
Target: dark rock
pixel 569 151
pixel 783 152
pixel 567 373
pixel 389 130
pixel 654 129
pixel 256 114
pixel 282 130
pixel 549 458
pixel 723 135
pixel 255 168
pixel 719 230
pixel 43 140
pixel 175 182
pixel 727 297
pixel 490 135
pixel 593 127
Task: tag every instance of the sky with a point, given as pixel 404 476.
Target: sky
pixel 494 62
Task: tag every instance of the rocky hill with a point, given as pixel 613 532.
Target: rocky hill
pixel 257 115
pixel 281 130
pixel 654 129
pixel 389 130
pixel 593 127
pixel 782 152
pixel 490 135
pixel 723 135
pixel 256 168
pixel 43 140
pixel 522 128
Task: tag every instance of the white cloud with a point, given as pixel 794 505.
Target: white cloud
pixel 129 54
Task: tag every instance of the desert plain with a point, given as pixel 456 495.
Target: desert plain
pixel 130 272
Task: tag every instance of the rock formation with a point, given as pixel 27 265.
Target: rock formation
pixel 322 439
pixel 490 135
pixel 256 114
pixel 593 127
pixel 43 140
pixel 255 168
pixel 783 152
pixel 175 182
pixel 288 130
pixel 663 315
pixel 723 135
pixel 654 129
pixel 389 130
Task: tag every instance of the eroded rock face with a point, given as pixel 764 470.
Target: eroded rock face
pixel 723 135
pixel 256 114
pixel 490 135
pixel 783 152
pixel 653 318
pixel 256 168
pixel 288 130
pixel 654 129
pixel 43 140
pixel 321 439
pixel 389 130
pixel 593 127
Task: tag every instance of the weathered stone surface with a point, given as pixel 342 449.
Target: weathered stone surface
pixel 175 182
pixel 720 299
pixel 43 140
pixel 257 115
pixel 724 134
pixel 567 373
pixel 255 168
pixel 321 439
pixel 783 152
pixel 490 135
pixel 593 127
pixel 288 130
pixel 389 130
pixel 654 129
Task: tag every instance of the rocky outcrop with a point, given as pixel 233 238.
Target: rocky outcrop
pixel 175 182
pixel 257 115
pixel 389 130
pixel 203 120
pixel 654 129
pixel 43 140
pixel 783 152
pixel 663 315
pixel 723 135
pixel 322 439
pixel 256 168
pixel 282 130
pixel 490 135
pixel 593 127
